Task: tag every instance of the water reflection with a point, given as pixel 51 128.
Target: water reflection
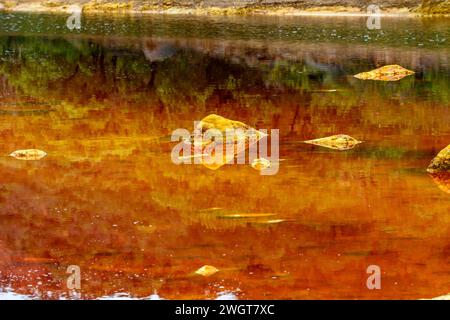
pixel 108 198
pixel 442 180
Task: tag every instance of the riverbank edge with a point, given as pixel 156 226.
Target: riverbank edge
pixel 279 10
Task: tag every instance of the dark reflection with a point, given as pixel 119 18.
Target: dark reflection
pixel 46 66
pixel 395 32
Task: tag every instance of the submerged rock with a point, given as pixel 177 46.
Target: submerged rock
pixel 337 142
pixel 207 271
pixel 28 154
pixel 221 219
pixel 392 72
pixel 441 163
pixel 247 215
pixel 260 164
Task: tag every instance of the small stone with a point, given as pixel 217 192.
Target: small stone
pixel 29 154
pixel 207 271
pixel 392 72
pixel 337 142
pixel 261 164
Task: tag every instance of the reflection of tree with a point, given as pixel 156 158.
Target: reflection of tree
pixel 56 69
pixel 426 6
pixel 173 79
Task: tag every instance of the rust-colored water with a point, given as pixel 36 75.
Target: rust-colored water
pixel 108 198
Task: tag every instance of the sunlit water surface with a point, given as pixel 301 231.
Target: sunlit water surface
pixel 103 101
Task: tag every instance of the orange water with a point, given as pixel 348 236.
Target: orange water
pixel 108 198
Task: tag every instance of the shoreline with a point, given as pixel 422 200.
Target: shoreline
pixel 281 10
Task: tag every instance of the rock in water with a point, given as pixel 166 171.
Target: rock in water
pixel 392 72
pixel 29 154
pixel 214 121
pixel 242 131
pixel 337 142
pixel 242 134
pixel 441 163
pixel 207 271
pixel 261 164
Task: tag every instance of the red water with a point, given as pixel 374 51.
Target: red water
pixel 108 198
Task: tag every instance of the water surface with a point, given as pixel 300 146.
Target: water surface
pixel 103 100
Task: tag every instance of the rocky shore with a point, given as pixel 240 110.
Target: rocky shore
pixel 238 7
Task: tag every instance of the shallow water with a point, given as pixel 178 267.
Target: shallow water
pixel 102 102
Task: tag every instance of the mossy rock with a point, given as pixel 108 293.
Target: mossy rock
pixel 441 163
